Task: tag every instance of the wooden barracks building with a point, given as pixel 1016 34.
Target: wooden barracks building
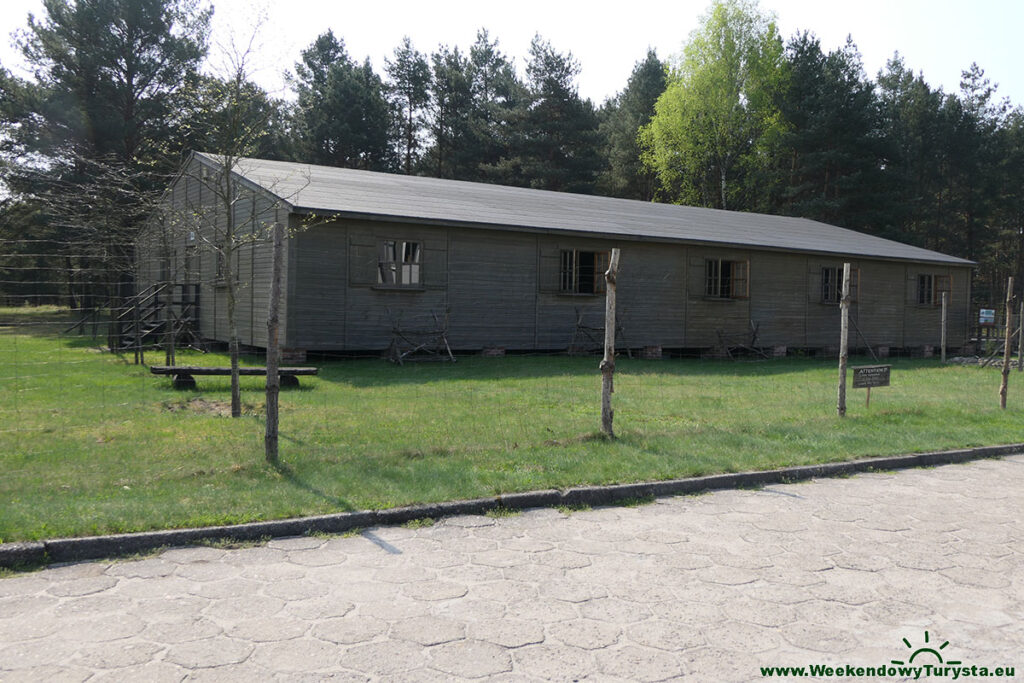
pixel 520 269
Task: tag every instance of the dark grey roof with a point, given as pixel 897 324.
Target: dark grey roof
pixel 326 189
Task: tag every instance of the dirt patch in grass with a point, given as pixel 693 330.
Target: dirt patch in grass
pixel 201 405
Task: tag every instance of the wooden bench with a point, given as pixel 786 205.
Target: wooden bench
pixel 184 375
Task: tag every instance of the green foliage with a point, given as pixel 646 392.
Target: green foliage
pixel 621 119
pixel 718 123
pixel 342 117
pixel 555 139
pixel 408 91
pixel 831 155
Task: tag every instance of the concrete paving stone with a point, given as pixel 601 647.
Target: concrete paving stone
pixel 441 559
pixel 501 558
pixel 100 629
pixel 260 555
pixel 351 629
pixel 639 663
pixel 550 662
pixel 192 554
pixel 159 587
pixel 301 655
pixel 540 573
pixel 614 610
pixel 471 609
pixel 505 591
pixel 467 521
pixel 435 590
pixel 898 612
pixel 296 589
pixel 207 571
pixel 586 634
pixel 664 634
pixel 318 608
pixel 266 630
pixel 471 659
pixel 153 672
pixel 528 544
pixel 571 591
pixel 387 658
pixel 428 630
pixel 35 653
pixel 209 652
pixel 545 612
pixel 75 571
pixel 562 559
pixel 181 630
pixel 729 576
pixel 227 588
pixel 319 557
pixel 279 571
pixel 89 606
pixel 752 610
pixel 144 569
pixel 366 591
pixel 50 674
pixel 116 655
pixel 402 608
pixel 827 639
pixel 297 543
pixel 238 673
pixel 26 628
pixel 331 677
pixel 83 586
pixel 509 633
pixel 741 637
pixel 403 574
pixel 236 609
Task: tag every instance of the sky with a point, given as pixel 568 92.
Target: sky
pixel 938 37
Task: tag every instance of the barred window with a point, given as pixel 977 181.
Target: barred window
pixel 832 284
pixel 399 263
pixel 582 272
pixel 725 279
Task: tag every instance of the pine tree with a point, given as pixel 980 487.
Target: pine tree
pixel 622 117
pixel 342 117
pixel 408 91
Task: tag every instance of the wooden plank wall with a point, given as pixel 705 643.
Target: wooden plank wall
pixel 502 290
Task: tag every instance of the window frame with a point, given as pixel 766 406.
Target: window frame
pixel 832 292
pixel 570 271
pixel 395 268
pixel 737 280
pixel 932 294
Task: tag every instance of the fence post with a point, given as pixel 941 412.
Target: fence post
pixel 1006 345
pixel 844 338
pixel 608 362
pixel 944 318
pixel 1020 337
pixel 273 348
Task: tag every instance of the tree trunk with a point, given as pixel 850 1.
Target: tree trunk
pixel 1003 386
pixel 844 336
pixel 608 362
pixel 273 349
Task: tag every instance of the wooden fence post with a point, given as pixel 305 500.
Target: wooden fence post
pixel 944 318
pixel 608 362
pixel 1006 345
pixel 1020 337
pixel 273 347
pixel 844 338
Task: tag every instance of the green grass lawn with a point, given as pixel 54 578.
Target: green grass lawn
pixel 91 444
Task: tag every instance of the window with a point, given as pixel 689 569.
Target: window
pixel 399 264
pixel 930 289
pixel 726 279
pixel 832 284
pixel 582 272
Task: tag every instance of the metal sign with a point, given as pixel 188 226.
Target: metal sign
pixel 987 316
pixel 867 376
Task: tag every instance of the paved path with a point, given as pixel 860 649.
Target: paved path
pixel 835 571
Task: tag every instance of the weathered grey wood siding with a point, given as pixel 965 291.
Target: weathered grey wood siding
pixel 192 206
pixel 501 289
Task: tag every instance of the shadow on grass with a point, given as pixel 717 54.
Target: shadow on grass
pixel 376 372
pixel 298 482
